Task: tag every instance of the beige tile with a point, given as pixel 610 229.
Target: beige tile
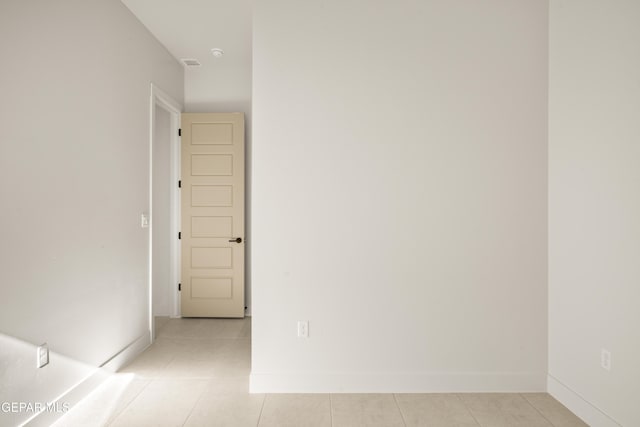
pixel 190 328
pixel 226 349
pixel 209 359
pixel 176 345
pixel 230 328
pixel 125 397
pixel 150 363
pixel 435 410
pixel 246 329
pixel 365 410
pixel 195 347
pixel 236 368
pixel 205 347
pixel 233 358
pixel 207 328
pixel 162 403
pixel 295 410
pixel 190 358
pixel 503 410
pixel 228 385
pixel 105 403
pixel 189 367
pixel 230 409
pixel 553 410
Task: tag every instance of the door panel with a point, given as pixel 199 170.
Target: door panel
pixel 212 215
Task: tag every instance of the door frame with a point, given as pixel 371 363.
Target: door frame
pixel 161 99
pixel 236 307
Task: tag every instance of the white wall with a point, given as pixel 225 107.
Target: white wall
pixel 20 383
pixel 594 208
pixel 161 227
pixel 399 195
pixel 74 179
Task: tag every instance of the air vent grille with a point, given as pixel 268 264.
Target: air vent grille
pixel 190 62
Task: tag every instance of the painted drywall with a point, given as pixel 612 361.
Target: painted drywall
pixel 74 180
pixel 594 208
pixel 21 384
pixel 399 195
pixel 161 227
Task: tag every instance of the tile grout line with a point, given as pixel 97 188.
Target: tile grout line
pixel 163 337
pixel 122 411
pixel 264 399
pixel 115 418
pixel 395 399
pixel 149 380
pixel 204 391
pixel 536 409
pixel 468 409
pixel 129 403
pixel 331 408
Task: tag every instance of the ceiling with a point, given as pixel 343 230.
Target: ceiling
pixel 191 28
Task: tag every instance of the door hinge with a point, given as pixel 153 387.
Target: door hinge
pixel 179 235
pixel 179 132
pixel 179 286
pixel 179 184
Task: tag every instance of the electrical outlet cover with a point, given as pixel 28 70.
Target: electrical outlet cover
pixel 605 359
pixel 303 329
pixel 42 355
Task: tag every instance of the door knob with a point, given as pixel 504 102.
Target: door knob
pixel 237 240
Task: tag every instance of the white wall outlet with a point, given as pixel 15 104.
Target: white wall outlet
pixel 605 359
pixel 144 220
pixel 42 355
pixel 303 329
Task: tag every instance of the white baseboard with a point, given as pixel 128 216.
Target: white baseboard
pixel 74 395
pixel 70 398
pixel 127 354
pixel 398 382
pixel 589 413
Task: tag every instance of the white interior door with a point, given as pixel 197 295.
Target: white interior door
pixel 212 231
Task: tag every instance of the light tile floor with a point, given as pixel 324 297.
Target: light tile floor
pixel 197 374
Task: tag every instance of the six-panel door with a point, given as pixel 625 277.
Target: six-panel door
pixel 212 159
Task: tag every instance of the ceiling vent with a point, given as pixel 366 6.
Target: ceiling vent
pixel 191 63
